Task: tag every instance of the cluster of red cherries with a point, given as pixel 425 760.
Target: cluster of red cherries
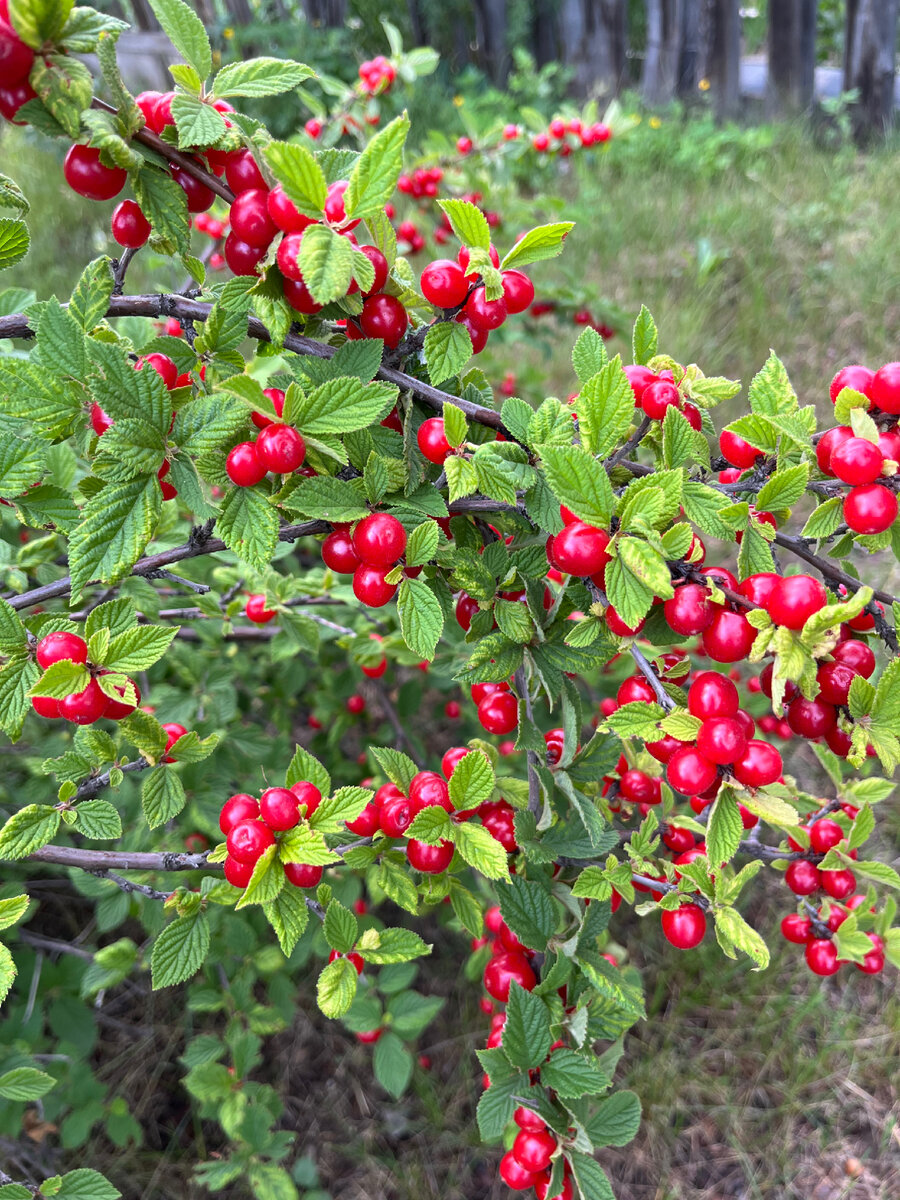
pixel 278 448
pixel 450 286
pixel 376 75
pixel 90 704
pixel 16 61
pixel 560 137
pixel 250 826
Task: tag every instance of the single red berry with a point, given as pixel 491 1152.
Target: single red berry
pixel 256 610
pixel 302 875
pixel 46 706
pixel 834 680
pixel 684 927
pixel 379 540
pixel 533 1149
pixel 499 713
pixel 366 824
pixel 100 421
pixel 239 807
pixel 335 210
pixel 514 1176
pixel 370 586
pixel 382 270
pixel 356 705
pixel 426 789
pixel 308 796
pixel 542 1189
pixel 162 365
pixel 803 877
pixel 690 610
pixel 759 766
pixel 284 213
pixel 280 448
pixel 86 174
pixel 485 314
pixel 617 626
pixel 352 957
pixel 443 283
pixel 712 695
pixel 873 963
pixel 811 718
pixel 505 969
pixel 729 637
pixel 241 257
pixel 737 450
pixel 451 758
pixel 173 731
pixel 796 929
pixel 384 317
pixel 759 587
pixel 828 443
pixel 395 816
pixel 722 739
pixel 856 655
pixel 247 841
pixel 376 671
pixel 687 771
pixel 56 647
pixel 250 218
pixel 857 460
pixel 430 860
pixel 118 710
pixel 794 599
pixel 884 390
pixel 824 834
pixel 821 956
pixel 242 173
pixel 838 884
pixel 580 549
pixel 499 820
pixel 237 873
pixel 855 377
pixel 526 1119
pixel 130 227
pixel 199 197
pixel 243 465
pixel 432 439
pixel 288 257
pixel 658 397
pixel 338 553
pixel 518 291
pixel 279 808
pixel 870 509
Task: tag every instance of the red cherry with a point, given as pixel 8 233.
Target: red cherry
pixel 279 808
pixel 828 443
pixel 824 834
pixel 855 377
pixel 384 317
pixel 759 766
pixel 16 59
pixel 247 841
pixel 370 586
pixel 237 873
pixel 56 647
pixel 430 860
pixel 796 929
pixel 511 1173
pixel 499 820
pixel 811 718
pixel 173 732
pixel 242 173
pixel 451 758
pixel 239 807
pixel 395 816
pixel 352 957
pixel 199 196
pixel 162 365
pixel 729 637
pixel 884 390
pixel 46 706
pixel 256 610
pixel 533 1149
pixel 432 439
pixel 118 710
pixel 85 707
pixel 794 599
pixel 443 283
pixel 100 421
pixel 542 1190
pixel 802 877
pixel 356 705
pixel 485 314
pixel 302 875
pixel 838 884
pixel 834 680
pixel 821 956
pixel 687 771
pixel 243 466
pixel 499 713
pixel 873 963
pixel 250 218
pixel 284 213
pixel 737 450
pixel 658 397
pixel 758 588
pixel 722 739
pixel 690 610
pixel 635 688
pixel 684 927
pixel 505 969
pixel 308 796
pixel 280 448
pixel 366 824
pixel 338 553
pixel 86 174
pixel 241 257
pixel 335 211
pixel 871 509
pixel 580 549
pixel 856 655
pixel 478 691
pixel 518 291
pixel 526 1119
pixel 130 227
pixel 712 695
pixel 617 626
pixel 637 787
pixel 288 258
pixel 663 749
pixel 427 789
pixel 379 540
pixel 857 460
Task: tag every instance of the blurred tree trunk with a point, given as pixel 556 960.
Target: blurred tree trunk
pixel 662 57
pixel 792 54
pixel 544 43
pixel 417 24
pixel 490 31
pixel 328 13
pixel 869 68
pixel 593 40
pixel 689 52
pixel 723 56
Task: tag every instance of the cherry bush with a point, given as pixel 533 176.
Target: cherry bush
pixel 307 435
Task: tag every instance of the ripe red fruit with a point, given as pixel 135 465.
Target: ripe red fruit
pixel 451 758
pixel 356 705
pixel 250 218
pixel 811 718
pixel 247 841
pixel 302 875
pixel 794 599
pixel 433 440
pixel 518 291
pixel 802 877
pixel 687 771
pixel 505 969
pixel 511 1173
pixel 617 626
pixel 533 1149
pixel 86 174
pixel 663 749
pixel 485 314
pixel 758 588
pixel 856 377
pixel 279 808
pixel 280 448
pixel 828 443
pixel 443 283
pixel 16 59
pixel 288 258
pixel 241 257
pixel 117 710
pixel 243 466
pixel 58 646
pixel 737 450
pixel 379 540
pixel 834 680
pixel 130 227
pixel 637 787
pixel 370 586
pixel 199 197
pixel 684 927
pixel 308 796
pixel 838 884
pixel 242 173
pixel 384 317
pixel 396 815
pixel 499 820
pixel 367 822
pixel 796 929
pixel 873 963
pixel 335 210
pixel 526 1119
pixel 729 637
pixel 382 270
pixel 256 610
pixel 173 732
pixel 722 739
pixel 870 509
pixel 338 553
pixel 712 695
pixel 100 421
pixel 85 707
pixel 640 378
pixel 239 807
pixel 759 766
pixel 499 713
pixel 857 460
pixel 690 610
pixel 821 956
pixel 658 397
pixel 430 860
pixel 542 1190
pixel 237 873
pixel 580 549
pixel 884 390
pixel 856 655
pixel 352 957
pixel 46 706
pixel 426 789
pixel 824 834
pixel 284 213
pixel 376 671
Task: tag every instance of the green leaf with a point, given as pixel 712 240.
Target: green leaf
pixel 578 481
pixel 462 478
pixel 546 241
pixel 27 830
pixel 299 174
pixel 616 1121
pixel 336 987
pixel 422 544
pixel 258 77
pixel 644 339
pixel 16 680
pixel 481 850
pixel 573 1075
pixel 164 204
pixel 342 405
pixel 25 1083
pixel 180 950
pixel 638 719
pixel 340 928
pixel 468 223
pixel 377 170
pixel 39 21
pixel 732 931
pixel 397 885
pixel 267 881
pixel 116 525
pixel 98 819
pixel 162 796
pixel 8 974
pixel 724 829
pixel 186 33
pixel 824 519
pixel 421 617
pixel 592 1181
pixel 61 679
pixel 22 463
pixel 288 915
pixel 326 262
pixel 605 408
pixel 392 1064
pixel 448 347
pixel 138 648
pixel 784 488
pixel 588 354
pixel 197 122
pixel 92 293
pixel 14 242
pixel 304 766
pixel 248 525
pixel 306 846
pixel 336 811
pixel 391 946
pixel 12 910
pixel 83 1184
pixel 528 910
pixel 526 1034
pixel 472 781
